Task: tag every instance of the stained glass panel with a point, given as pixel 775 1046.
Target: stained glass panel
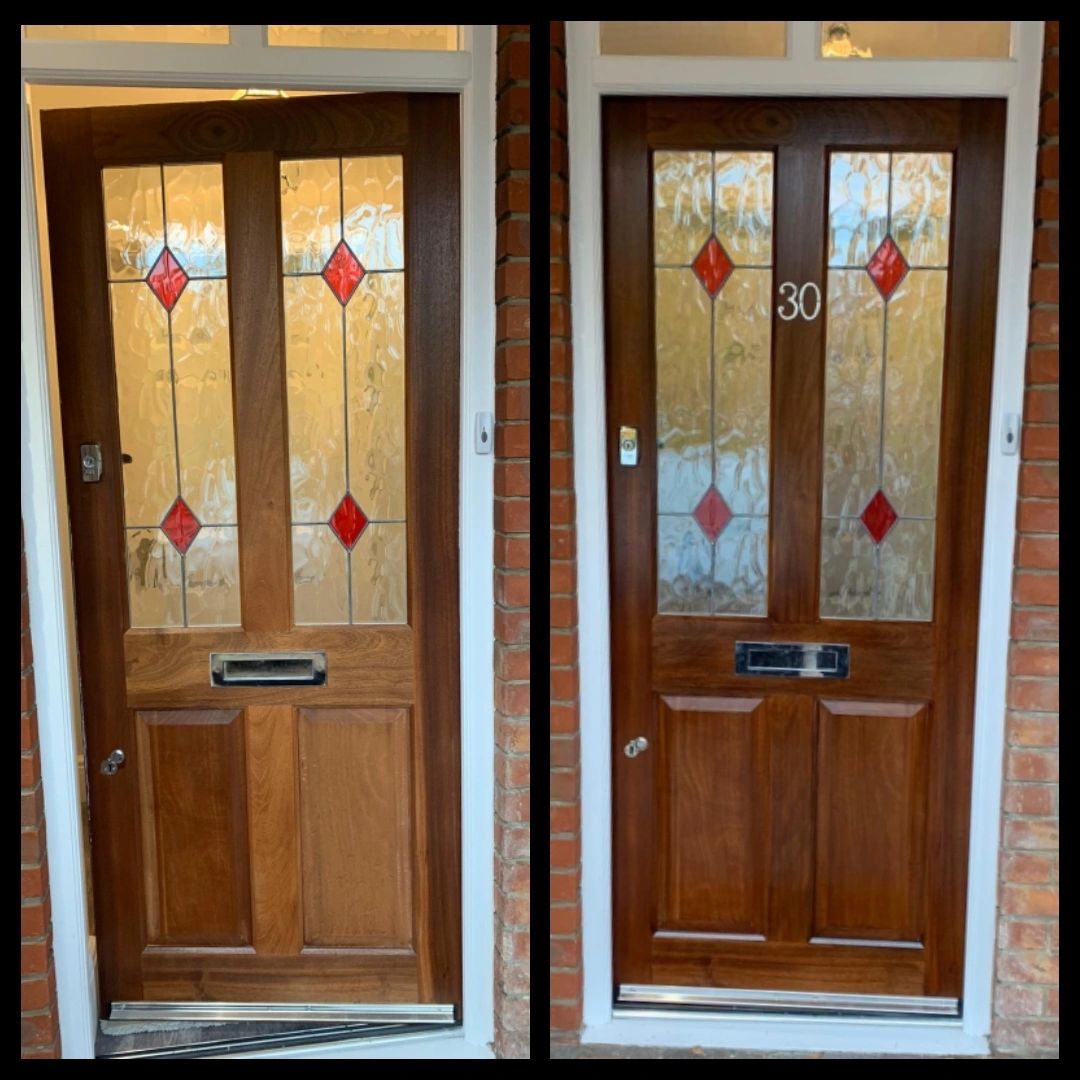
pixel 682 205
pixel 683 391
pixel 712 229
pixel 165 256
pixel 155 579
pixel 316 387
pixel 320 582
pixel 343 248
pixel 889 220
pixel 375 359
pixel 378 574
pixel 134 221
pixel 372 201
pixel 212 578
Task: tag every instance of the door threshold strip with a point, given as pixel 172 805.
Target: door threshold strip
pixel 703 999
pixel 213 1011
pixel 279 1040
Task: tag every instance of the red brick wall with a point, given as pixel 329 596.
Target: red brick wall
pixel 40 1033
pixel 565 811
pixel 512 544
pixel 1026 980
pixel 1026 989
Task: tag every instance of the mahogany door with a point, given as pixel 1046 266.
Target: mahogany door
pixel 800 302
pixel 257 325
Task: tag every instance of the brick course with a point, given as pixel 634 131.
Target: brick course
pixel 565 814
pixel 40 1026
pixel 1026 976
pixel 512 819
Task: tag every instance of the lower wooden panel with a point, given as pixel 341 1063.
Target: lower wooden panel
pixel 754 965
pixel 378 976
pixel 194 827
pixel 714 813
pixel 356 826
pixel 871 820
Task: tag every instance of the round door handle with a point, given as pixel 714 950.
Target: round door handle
pixel 111 765
pixel 636 746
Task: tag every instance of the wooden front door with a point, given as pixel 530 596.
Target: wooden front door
pixel 800 300
pixel 257 325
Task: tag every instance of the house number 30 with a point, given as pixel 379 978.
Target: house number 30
pixel 796 297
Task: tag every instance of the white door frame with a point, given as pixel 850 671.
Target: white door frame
pixel 800 72
pixel 248 62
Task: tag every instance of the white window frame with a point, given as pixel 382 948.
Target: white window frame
pixel 801 72
pixel 249 62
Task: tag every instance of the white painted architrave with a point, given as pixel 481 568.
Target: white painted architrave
pixel 802 72
pixel 248 63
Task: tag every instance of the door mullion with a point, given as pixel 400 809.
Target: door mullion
pixel 798 381
pixel 258 357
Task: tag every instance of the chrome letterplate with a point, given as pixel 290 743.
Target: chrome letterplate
pixel 800 659
pixel 268 669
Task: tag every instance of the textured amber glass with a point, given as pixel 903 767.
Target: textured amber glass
pixel 184 34
pixel 432 37
pixel 344 288
pixel 165 258
pixel 886 304
pixel 713 253
pixel 916 39
pixel 704 38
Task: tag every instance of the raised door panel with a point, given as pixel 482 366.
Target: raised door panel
pixel 356 827
pixel 714 813
pixel 194 828
pixel 871 820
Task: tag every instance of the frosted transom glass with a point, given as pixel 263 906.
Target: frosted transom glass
pixel 885 308
pixel 344 257
pixel 706 38
pixel 919 39
pixel 165 262
pixel 144 32
pixel 432 37
pixel 713 254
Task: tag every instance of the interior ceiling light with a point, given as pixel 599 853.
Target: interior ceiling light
pixel 243 95
pixel 839 43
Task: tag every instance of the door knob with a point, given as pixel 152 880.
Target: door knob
pixel 111 765
pixel 636 746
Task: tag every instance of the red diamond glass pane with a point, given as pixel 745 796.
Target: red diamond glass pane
pixel 348 522
pixel 343 272
pixel 878 517
pixel 712 266
pixel 167 279
pixel 887 267
pixel 181 526
pixel 712 514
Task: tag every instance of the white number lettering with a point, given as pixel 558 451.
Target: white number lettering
pixel 789 290
pixel 795 296
pixel 802 301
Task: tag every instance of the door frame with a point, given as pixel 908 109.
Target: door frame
pixel 800 72
pixel 248 62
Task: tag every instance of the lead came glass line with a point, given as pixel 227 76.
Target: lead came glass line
pixel 878 546
pixel 712 248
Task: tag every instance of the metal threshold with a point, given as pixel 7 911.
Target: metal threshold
pixel 215 1011
pixel 309 1036
pixel 700 1001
